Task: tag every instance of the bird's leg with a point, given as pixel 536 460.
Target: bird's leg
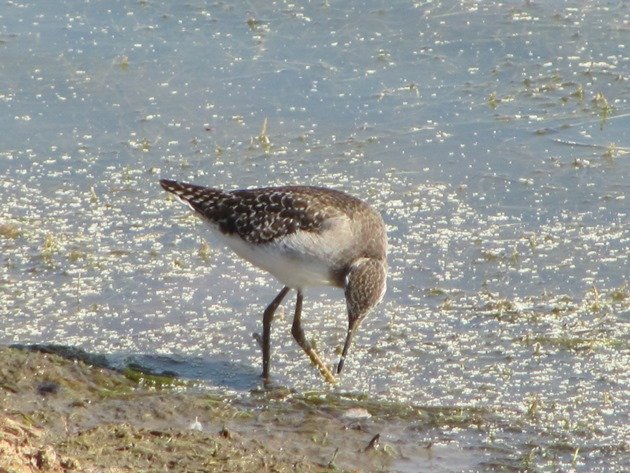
pixel 298 334
pixel 267 318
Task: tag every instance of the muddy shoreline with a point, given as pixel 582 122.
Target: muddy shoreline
pixel 59 413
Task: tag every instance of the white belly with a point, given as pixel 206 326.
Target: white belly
pixel 296 262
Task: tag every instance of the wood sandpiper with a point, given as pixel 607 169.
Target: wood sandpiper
pixel 304 236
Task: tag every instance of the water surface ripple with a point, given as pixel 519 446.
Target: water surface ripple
pixel 493 137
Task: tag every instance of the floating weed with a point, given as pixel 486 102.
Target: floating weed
pixel 612 151
pixel 263 138
pixel 592 301
pixel 607 398
pixel 533 407
pixel 122 62
pixel 147 378
pixel 493 101
pixel 9 231
pixel 601 101
pixel 143 145
pixel 499 306
pixel 537 351
pixel 454 417
pixel 254 24
pixel 578 93
pixel 384 56
pixel 515 257
pixel 93 196
pixel 387 92
pixel 179 263
pixel 204 251
pixel 119 253
pixel 435 292
pixel 575 458
pixel 50 246
pixel 562 305
pixel 76 255
pixel 528 460
pixel 556 310
pixel 540 131
pixel 621 293
pixel 491 256
pixel 601 104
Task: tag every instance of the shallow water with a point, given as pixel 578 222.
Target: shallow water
pixel 492 136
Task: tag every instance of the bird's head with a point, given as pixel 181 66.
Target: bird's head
pixel 365 286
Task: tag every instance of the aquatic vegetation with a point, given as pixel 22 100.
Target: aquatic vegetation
pixel 493 101
pixel 601 104
pixel 621 293
pixel 263 138
pixel 578 93
pixel 612 151
pixel 50 246
pixel 122 62
pixel 10 231
pixel 148 378
pixel 204 251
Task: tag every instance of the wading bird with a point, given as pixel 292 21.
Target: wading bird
pixel 304 236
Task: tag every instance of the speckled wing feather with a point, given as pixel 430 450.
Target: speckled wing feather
pixel 262 215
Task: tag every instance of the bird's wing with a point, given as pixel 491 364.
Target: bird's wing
pixel 256 215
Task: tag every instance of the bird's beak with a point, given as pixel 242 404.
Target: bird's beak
pixel 352 328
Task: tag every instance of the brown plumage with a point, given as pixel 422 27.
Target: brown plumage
pixel 303 236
